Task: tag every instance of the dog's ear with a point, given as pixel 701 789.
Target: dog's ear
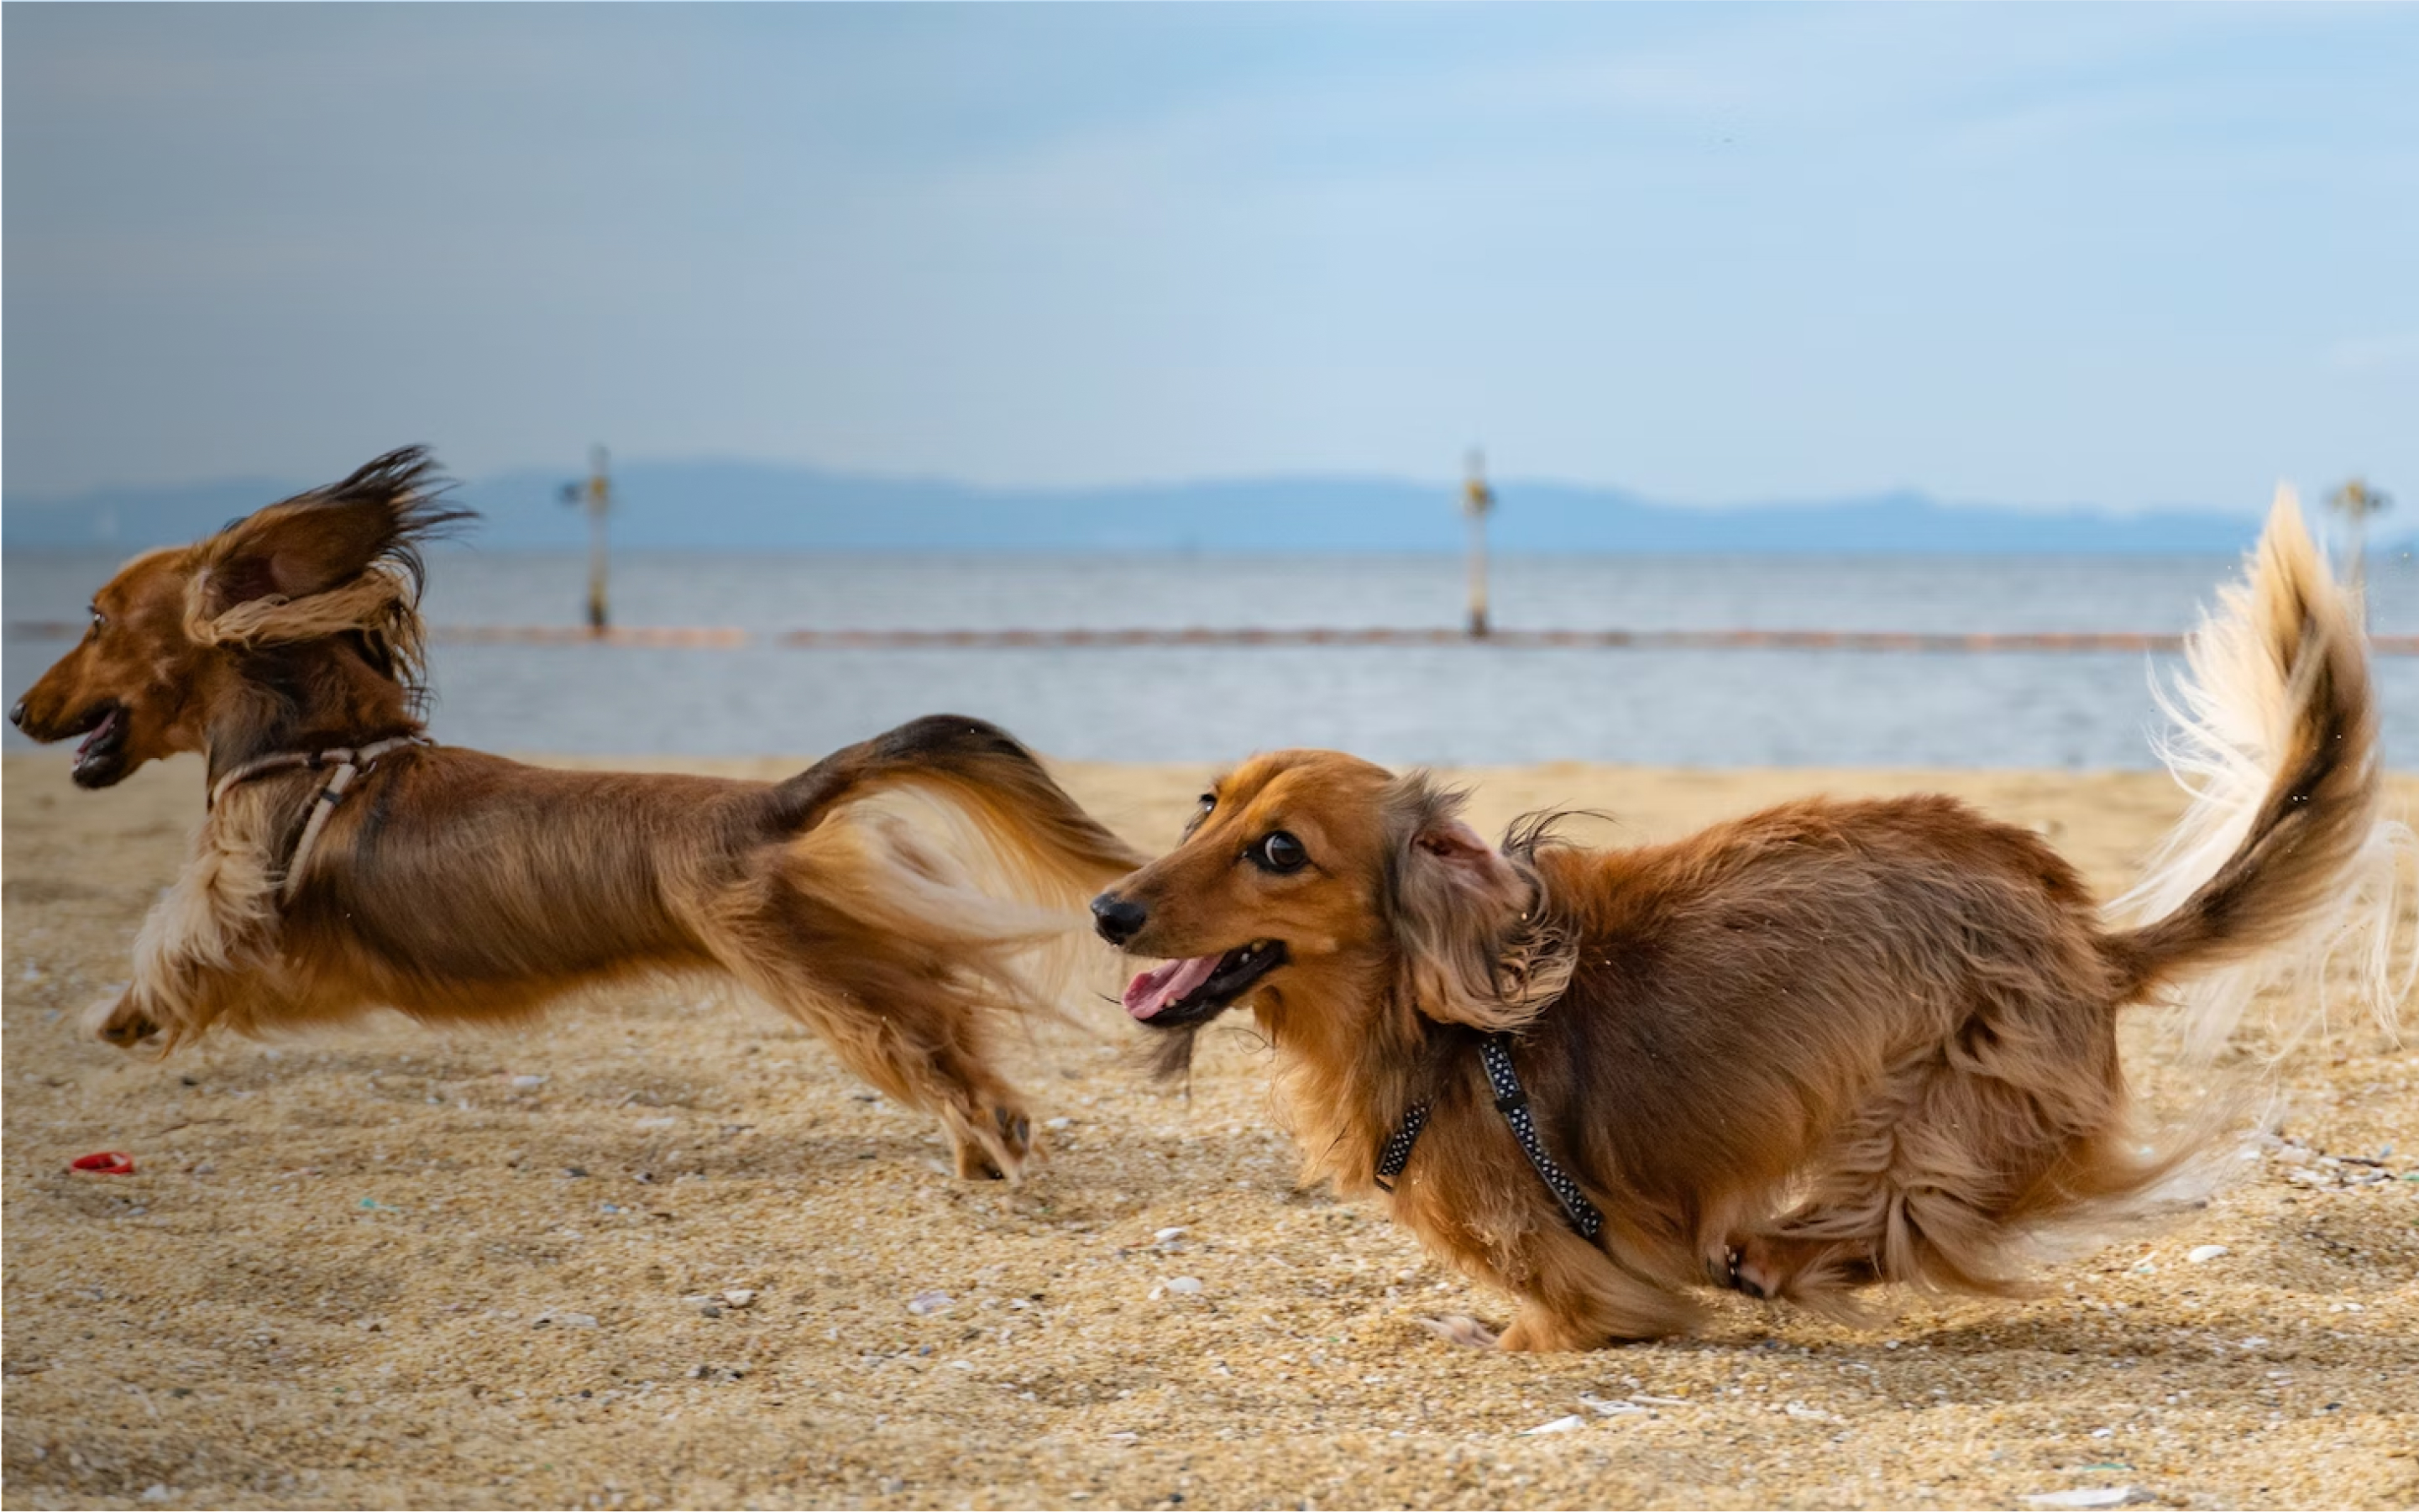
pixel 1464 915
pixel 317 542
pixel 1454 856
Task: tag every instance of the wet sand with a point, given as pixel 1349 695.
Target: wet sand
pixel 384 1267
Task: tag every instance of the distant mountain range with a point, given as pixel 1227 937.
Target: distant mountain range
pixel 715 505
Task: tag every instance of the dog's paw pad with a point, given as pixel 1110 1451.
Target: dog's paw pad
pixel 1456 1329
pixel 1730 1269
pixel 1014 1127
pixel 115 1021
pixel 975 1164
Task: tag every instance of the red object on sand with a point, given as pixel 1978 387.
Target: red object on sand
pixel 108 1163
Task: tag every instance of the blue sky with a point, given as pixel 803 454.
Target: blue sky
pixel 2127 255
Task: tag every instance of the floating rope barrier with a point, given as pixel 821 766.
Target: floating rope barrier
pixel 730 637
pixel 1518 640
pixel 702 636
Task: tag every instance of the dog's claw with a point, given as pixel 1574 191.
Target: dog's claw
pixel 1453 1328
pixel 975 1165
pixel 1728 1270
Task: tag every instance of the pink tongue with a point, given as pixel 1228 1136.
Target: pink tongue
pixel 1160 985
pixel 93 736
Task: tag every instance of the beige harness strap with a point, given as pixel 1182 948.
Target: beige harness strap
pixel 346 764
pixel 330 795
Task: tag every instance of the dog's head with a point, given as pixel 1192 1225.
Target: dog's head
pixel 305 607
pixel 1324 891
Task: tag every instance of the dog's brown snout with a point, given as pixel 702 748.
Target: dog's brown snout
pixel 1118 920
pixel 41 712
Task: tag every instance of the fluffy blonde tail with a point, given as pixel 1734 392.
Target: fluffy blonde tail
pixel 2285 860
pixel 948 832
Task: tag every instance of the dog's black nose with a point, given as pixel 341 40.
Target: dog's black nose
pixel 1118 920
pixel 17 714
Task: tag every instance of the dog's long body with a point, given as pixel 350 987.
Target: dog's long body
pixel 1823 1046
pixel 894 896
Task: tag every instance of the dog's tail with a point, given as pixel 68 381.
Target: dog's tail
pixel 948 832
pixel 2285 858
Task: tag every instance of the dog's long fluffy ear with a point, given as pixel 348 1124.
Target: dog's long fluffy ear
pixel 1478 944
pixel 353 546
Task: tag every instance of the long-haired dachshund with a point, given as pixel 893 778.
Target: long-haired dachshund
pixel 893 896
pixel 1825 1046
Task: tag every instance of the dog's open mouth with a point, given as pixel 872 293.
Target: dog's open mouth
pixel 1178 993
pixel 104 743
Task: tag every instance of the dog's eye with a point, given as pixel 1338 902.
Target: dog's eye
pixel 1280 852
pixel 99 622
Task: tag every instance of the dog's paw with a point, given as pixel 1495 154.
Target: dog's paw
pixel 1730 1269
pixel 1456 1329
pixel 1015 1130
pixel 118 1021
pixel 974 1163
pixel 1002 1151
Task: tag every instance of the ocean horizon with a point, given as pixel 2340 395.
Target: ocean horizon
pixel 727 504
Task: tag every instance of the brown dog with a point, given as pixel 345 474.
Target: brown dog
pixel 892 896
pixel 1827 1045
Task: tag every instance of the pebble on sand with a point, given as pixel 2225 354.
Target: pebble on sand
pixel 2202 1253
pixel 2084 1496
pixel 927 1302
pixel 528 1083
pixel 1560 1424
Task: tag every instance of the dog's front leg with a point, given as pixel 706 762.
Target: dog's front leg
pixel 185 1001
pixel 205 948
pixel 1574 1297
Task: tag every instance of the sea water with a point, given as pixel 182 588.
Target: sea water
pixel 1454 704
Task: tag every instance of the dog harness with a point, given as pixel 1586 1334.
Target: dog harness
pixel 342 764
pixel 1495 1053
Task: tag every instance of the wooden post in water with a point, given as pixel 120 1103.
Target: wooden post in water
pixel 597 495
pixel 2356 501
pixel 1477 501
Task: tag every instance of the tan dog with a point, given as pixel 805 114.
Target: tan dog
pixel 1827 1045
pixel 892 896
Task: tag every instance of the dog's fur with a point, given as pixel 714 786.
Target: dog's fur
pixel 1823 1046
pixel 894 896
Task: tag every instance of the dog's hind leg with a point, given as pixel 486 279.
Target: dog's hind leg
pixel 903 1019
pixel 926 1051
pixel 1927 1188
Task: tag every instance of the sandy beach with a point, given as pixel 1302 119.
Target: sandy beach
pixel 661 1251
